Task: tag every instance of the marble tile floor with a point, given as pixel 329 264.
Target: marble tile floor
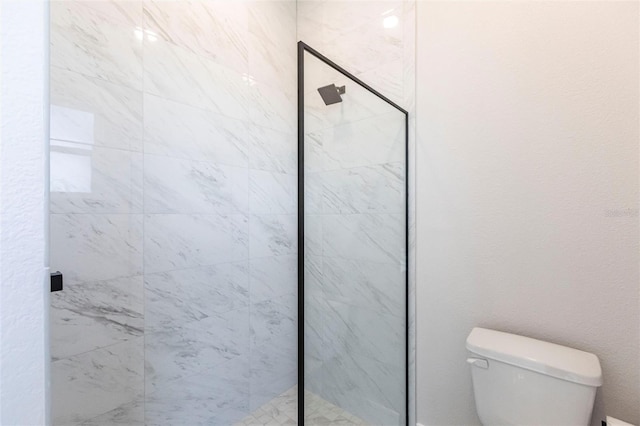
pixel 282 410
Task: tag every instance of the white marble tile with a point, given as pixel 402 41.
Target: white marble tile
pixel 369 47
pixel 176 241
pixel 272 151
pixel 273 370
pixel 412 272
pixel 96 247
pixel 314 312
pixel 190 349
pixel 374 140
pixel 275 21
pixel 176 298
pixel 370 390
pixel 177 130
pixel 129 414
pixel 89 316
pixel 223 386
pixel 96 382
pixel 124 11
pixel 310 23
pixel 345 16
pixel 273 235
pixel 88 41
pixel 314 323
pixel 92 179
pixel 363 331
pixel 313 372
pixel 409 57
pixel 275 358
pixel 273 276
pixel 178 74
pixel 314 193
pixel 272 108
pixel 371 189
pixel 273 320
pixel 387 79
pixel 362 43
pixel 371 237
pixel 265 386
pixel 314 280
pixel 314 115
pixel 313 236
pixel 186 186
pixel 272 193
pixel 213 29
pixel 272 48
pixel 313 151
pixel 379 287
pixel 412 354
pixel 273 64
pixel 95 112
pixel 70 124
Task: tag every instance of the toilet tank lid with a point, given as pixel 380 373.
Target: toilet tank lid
pixel 543 357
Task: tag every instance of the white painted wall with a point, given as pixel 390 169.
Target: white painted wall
pixel 527 190
pixel 23 202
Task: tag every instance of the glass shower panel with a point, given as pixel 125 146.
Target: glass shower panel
pixel 96 215
pixel 173 212
pixel 354 260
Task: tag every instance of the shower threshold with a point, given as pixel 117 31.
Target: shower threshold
pixel 283 410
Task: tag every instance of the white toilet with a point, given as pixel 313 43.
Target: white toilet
pixel 522 381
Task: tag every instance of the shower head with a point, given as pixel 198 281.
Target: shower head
pixel 331 94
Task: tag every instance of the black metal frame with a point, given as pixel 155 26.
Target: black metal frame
pixel 302 48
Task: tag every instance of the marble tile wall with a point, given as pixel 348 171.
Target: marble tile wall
pixel 375 40
pixel 173 209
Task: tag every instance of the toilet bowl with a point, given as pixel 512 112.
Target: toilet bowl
pixel 522 381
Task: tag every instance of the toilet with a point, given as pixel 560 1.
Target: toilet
pixel 522 381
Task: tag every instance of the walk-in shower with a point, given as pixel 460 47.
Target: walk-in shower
pixel 352 249
pixel 174 219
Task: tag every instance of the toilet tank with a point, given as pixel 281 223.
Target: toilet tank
pixel 522 381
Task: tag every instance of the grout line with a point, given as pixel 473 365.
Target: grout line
pixel 92 145
pixel 142 193
pixel 99 348
pixel 99 78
